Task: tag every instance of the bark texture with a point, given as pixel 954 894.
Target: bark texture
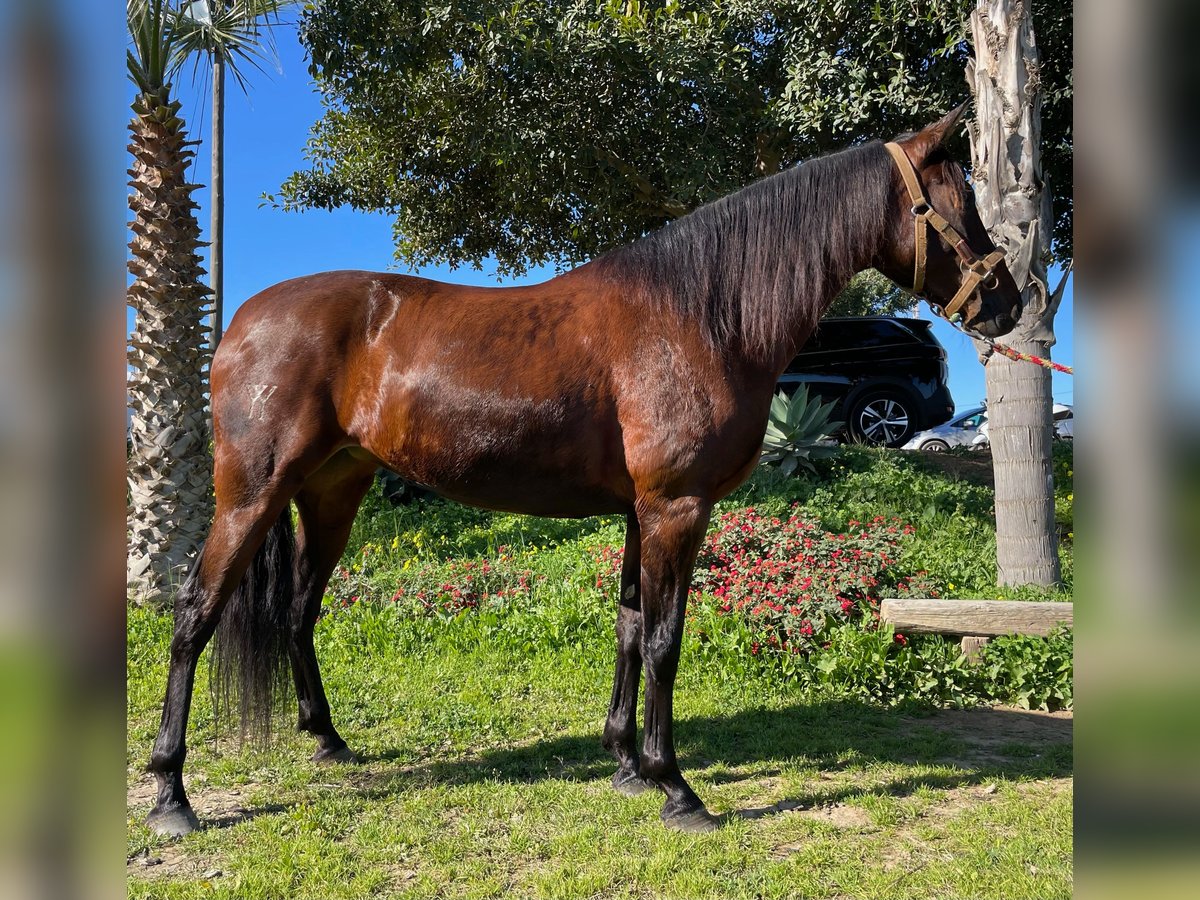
pixel 1005 138
pixel 170 465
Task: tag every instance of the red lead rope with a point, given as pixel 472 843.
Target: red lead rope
pixel 1027 357
pixel 956 321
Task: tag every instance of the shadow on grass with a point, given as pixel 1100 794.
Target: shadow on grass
pixel 971 747
pixel 241 814
pixel 978 745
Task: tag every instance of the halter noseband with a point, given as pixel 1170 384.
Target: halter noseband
pixel 975 269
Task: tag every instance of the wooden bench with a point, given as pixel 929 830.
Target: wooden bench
pixel 975 621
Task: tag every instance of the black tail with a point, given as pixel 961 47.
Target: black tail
pixel 249 663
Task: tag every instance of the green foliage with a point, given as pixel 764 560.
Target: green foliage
pixel 152 43
pixel 1032 673
pixel 538 131
pixel 871 294
pixel 954 516
pixel 877 666
pixel 793 582
pixel 1063 462
pixel 799 430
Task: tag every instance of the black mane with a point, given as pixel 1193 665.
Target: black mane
pixel 751 266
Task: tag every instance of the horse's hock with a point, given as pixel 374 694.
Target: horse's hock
pixel 975 621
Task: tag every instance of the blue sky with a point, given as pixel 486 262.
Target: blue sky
pixel 265 133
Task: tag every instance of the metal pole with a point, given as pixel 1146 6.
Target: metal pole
pixel 217 225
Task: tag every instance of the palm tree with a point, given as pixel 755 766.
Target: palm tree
pixel 170 467
pixel 1009 191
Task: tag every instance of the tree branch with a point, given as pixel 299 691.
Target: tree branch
pixel 647 193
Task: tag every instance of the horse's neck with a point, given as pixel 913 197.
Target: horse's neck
pixel 808 313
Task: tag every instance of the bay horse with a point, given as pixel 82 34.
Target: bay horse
pixel 638 383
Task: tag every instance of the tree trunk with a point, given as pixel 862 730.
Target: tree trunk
pixel 1005 156
pixel 170 466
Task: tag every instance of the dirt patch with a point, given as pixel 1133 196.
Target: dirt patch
pixel 400 875
pixel 975 466
pixel 171 861
pixel 216 807
pixel 141 794
pixel 839 815
pixel 992 733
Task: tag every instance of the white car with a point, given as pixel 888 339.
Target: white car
pixel 1064 427
pixel 958 432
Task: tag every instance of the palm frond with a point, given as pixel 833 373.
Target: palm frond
pixel 152 43
pixel 236 32
pixel 165 34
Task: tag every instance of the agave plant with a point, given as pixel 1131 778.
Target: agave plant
pixel 799 430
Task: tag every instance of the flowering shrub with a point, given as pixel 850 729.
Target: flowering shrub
pixel 793 581
pixel 790 580
pixel 435 589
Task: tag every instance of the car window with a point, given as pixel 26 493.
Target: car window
pixel 972 421
pixel 868 333
pixel 833 336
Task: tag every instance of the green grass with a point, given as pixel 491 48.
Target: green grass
pixel 484 775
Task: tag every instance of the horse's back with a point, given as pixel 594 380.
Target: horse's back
pixel 495 396
pixel 485 394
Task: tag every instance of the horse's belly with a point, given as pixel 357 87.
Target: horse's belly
pixel 540 499
pixel 542 487
pixel 550 457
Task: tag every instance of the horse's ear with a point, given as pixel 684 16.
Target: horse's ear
pixel 921 145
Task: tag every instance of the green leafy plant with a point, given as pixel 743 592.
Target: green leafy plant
pixel 1031 672
pixel 799 430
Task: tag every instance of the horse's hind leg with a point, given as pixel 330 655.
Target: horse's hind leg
pixel 620 729
pixel 237 533
pixel 327 504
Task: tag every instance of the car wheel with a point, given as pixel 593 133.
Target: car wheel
pixel 397 491
pixel 881 418
pixel 935 446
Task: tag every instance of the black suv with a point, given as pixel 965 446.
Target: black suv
pixel 887 376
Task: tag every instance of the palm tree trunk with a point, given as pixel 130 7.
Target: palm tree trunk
pixel 170 464
pixel 1012 202
pixel 1020 430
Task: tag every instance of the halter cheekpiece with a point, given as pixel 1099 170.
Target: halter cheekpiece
pixel 975 269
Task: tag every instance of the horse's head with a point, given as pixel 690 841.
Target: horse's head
pixel 939 246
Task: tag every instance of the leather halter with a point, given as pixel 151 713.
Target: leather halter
pixel 975 269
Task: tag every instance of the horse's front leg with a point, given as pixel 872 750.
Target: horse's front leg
pixel 672 531
pixel 620 729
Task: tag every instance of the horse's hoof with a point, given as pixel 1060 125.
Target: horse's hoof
pixel 699 821
pixel 341 755
pixel 630 783
pixel 172 821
